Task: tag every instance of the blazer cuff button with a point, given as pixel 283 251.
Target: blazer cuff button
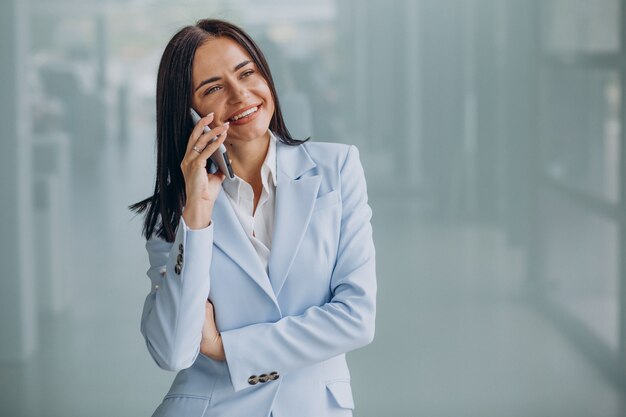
pixel 253 380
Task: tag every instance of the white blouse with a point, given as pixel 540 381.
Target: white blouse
pixel 258 224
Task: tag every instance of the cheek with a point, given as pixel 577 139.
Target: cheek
pixel 269 101
pixel 263 90
pixel 219 108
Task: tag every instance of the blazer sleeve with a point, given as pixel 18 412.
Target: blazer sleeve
pixel 173 313
pixel 343 324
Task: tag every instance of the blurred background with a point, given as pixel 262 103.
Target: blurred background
pixel 492 135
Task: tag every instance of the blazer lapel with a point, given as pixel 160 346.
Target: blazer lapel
pixel 229 236
pixel 295 198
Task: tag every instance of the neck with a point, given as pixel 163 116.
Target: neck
pixel 247 157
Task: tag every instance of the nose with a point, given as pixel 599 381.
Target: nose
pixel 239 93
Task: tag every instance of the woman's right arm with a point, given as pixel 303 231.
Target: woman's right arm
pixel 174 310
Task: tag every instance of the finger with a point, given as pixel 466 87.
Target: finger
pixel 207 142
pixel 198 130
pixel 212 146
pixel 204 141
pixel 209 137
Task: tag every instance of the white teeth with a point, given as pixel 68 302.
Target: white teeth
pixel 244 114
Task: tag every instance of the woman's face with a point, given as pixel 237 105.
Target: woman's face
pixel 226 81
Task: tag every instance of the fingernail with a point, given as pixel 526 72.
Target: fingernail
pixel 210 114
pixel 226 124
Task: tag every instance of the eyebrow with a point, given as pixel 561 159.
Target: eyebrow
pixel 213 79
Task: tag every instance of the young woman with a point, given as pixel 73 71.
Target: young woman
pixel 261 283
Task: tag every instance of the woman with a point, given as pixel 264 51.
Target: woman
pixel 260 289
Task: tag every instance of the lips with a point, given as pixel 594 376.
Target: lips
pixel 244 113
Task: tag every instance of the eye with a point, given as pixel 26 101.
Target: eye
pixel 212 90
pixel 247 73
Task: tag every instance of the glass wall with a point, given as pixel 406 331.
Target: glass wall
pixel 491 134
pixel 581 198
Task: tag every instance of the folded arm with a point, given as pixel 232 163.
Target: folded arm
pixel 345 323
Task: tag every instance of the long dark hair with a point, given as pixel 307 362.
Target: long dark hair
pixel 173 99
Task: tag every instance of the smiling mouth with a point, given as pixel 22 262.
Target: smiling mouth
pixel 244 114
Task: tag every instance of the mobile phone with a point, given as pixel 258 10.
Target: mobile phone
pixel 218 159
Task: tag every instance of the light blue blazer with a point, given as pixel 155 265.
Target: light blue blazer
pixel 285 333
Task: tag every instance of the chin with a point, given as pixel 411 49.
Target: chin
pixel 247 133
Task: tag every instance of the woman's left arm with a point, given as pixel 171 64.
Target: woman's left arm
pixel 343 324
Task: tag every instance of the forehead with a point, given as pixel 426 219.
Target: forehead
pixel 217 55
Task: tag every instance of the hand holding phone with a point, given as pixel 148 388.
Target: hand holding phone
pixel 219 158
